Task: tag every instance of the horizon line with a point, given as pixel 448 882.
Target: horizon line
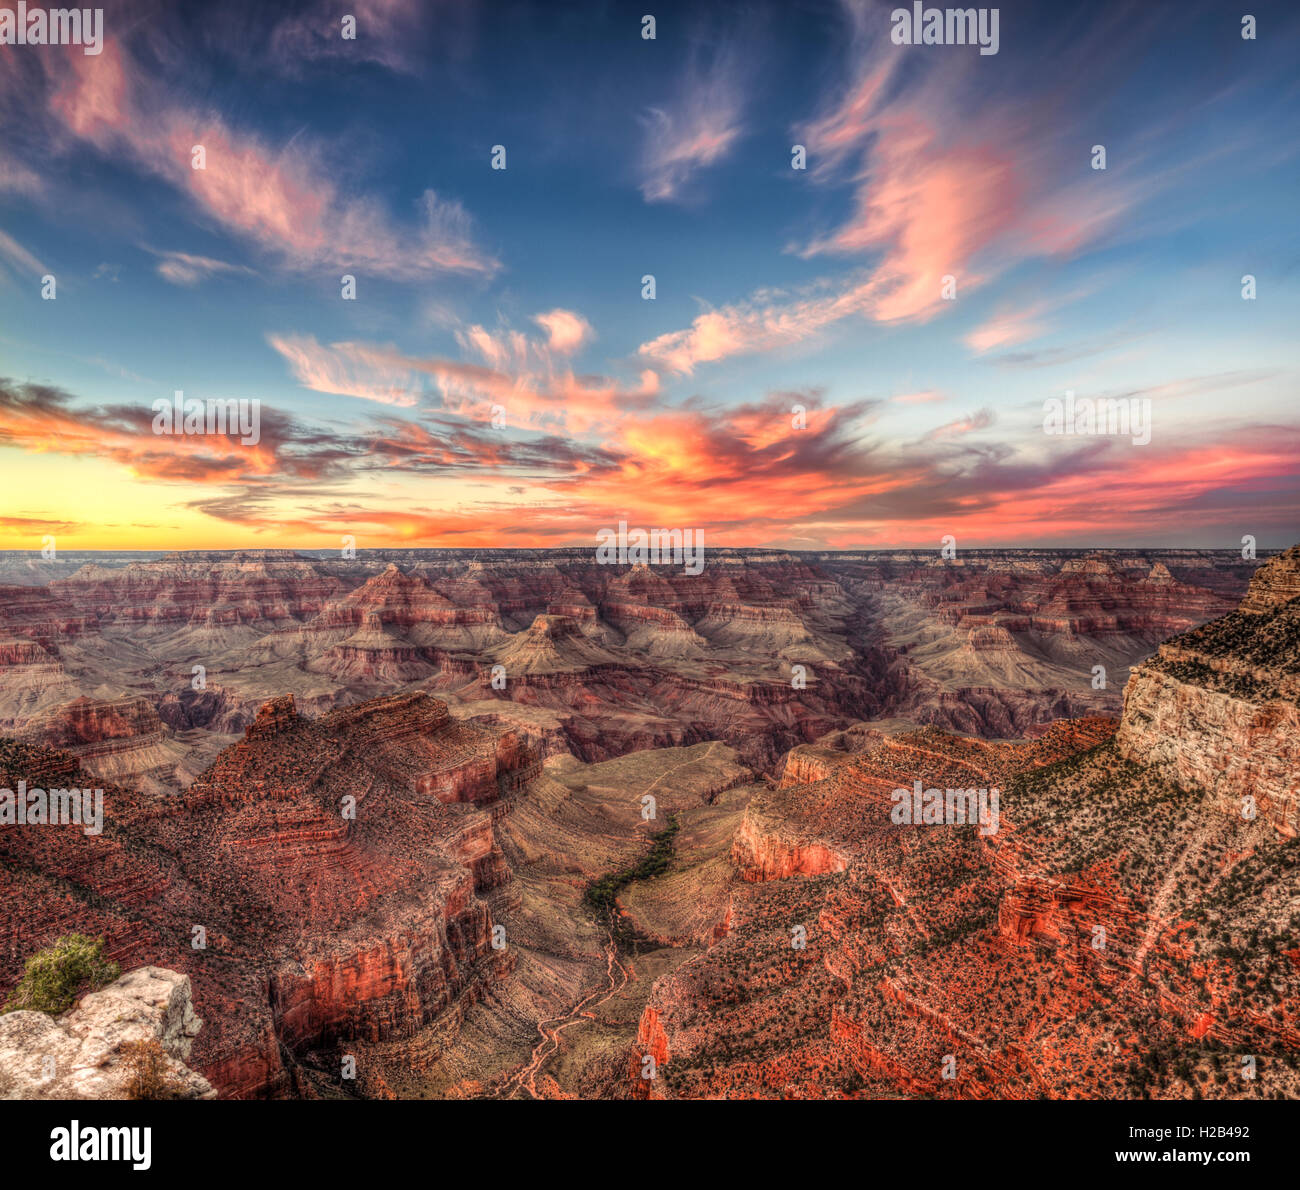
pixel 719 549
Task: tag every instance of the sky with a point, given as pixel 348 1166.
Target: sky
pixel 854 354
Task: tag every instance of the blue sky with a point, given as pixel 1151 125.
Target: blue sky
pixel 520 289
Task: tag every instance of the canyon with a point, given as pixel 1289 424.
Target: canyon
pixel 597 660
pixel 494 824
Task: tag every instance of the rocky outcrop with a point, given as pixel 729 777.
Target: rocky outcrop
pixel 1274 584
pixel 657 631
pixel 552 644
pixel 992 638
pixel 762 853
pixel 83 1054
pixel 810 762
pixel 275 717
pixel 1218 708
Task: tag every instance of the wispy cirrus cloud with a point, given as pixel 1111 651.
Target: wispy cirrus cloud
pixel 1023 317
pixel 348 369
pixel 16 178
pixel 981 419
pixel 187 268
pixel 286 201
pixel 698 128
pixel 1007 328
pixel 22 262
pixel 529 377
pixel 763 323
pixel 949 178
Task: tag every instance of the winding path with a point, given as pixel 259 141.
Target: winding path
pixel 549 1028
pixel 526 1078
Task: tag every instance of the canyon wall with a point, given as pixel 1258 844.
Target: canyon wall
pixel 1126 931
pixel 317 889
pixel 1218 708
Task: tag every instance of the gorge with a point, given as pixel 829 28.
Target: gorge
pixel 375 866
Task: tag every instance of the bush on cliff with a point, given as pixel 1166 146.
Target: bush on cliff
pixel 148 1076
pixel 56 977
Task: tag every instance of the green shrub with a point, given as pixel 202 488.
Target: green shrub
pixel 56 977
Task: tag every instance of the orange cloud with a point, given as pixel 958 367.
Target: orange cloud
pixel 747 475
pixel 566 330
pixel 525 376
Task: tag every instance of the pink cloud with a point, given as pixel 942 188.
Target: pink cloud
pixel 981 419
pixel 566 331
pixel 348 369
pixel 698 129
pixel 524 375
pixel 761 324
pixel 285 201
pixel 1007 328
pixel 948 181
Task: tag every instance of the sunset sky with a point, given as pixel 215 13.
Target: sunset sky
pixel 775 287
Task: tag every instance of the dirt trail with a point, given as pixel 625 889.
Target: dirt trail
pixel 1158 912
pixel 617 975
pixel 551 1027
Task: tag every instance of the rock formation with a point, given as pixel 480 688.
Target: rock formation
pixel 84 1054
pixel 114 739
pixel 324 882
pixel 1126 931
pixel 1218 708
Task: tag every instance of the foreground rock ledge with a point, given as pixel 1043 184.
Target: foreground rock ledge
pixel 85 1043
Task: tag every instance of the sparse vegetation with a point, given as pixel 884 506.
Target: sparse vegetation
pixel 147 1070
pixel 55 978
pixel 602 894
